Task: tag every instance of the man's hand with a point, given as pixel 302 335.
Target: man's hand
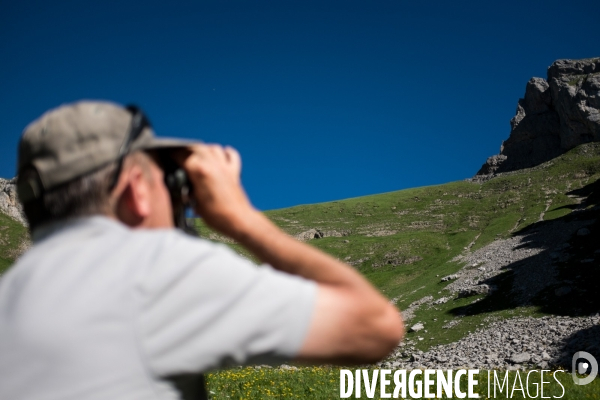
pixel 214 171
pixel 351 322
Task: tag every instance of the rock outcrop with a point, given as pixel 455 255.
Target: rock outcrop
pixel 319 234
pixel 555 115
pixel 9 203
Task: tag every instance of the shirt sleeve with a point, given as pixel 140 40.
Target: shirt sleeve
pixel 202 307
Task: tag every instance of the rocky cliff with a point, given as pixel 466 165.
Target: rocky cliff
pixel 556 115
pixel 9 204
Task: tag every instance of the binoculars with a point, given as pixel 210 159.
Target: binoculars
pixel 181 193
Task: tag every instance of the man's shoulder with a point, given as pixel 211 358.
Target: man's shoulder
pixel 100 240
pixel 100 229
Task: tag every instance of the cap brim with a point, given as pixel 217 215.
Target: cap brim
pixel 168 143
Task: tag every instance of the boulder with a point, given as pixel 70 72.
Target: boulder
pixel 583 232
pixel 561 291
pixel 449 278
pixel 474 290
pixel 318 234
pixel 520 358
pixel 309 234
pixel 441 300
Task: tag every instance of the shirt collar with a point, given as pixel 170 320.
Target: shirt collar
pixel 51 228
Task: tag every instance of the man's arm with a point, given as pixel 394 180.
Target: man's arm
pixel 352 322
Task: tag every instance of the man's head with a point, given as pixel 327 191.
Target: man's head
pixel 92 158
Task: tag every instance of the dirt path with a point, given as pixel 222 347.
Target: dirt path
pixel 544 212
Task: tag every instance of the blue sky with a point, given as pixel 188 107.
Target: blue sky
pixel 325 100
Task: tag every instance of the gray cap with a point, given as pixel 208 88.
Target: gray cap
pixel 75 139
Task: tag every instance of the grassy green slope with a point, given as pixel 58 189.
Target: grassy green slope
pixel 12 237
pixel 404 241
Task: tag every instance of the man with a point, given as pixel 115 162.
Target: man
pixel 111 300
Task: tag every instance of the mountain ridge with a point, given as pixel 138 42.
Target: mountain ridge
pixel 555 115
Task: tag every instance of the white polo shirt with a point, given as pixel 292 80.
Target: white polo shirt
pixel 95 310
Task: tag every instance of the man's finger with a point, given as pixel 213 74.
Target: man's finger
pixel 181 155
pixel 216 151
pixel 197 151
pixel 234 158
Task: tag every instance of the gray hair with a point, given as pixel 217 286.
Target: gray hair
pixel 84 196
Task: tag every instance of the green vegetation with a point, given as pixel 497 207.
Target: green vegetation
pixel 575 81
pixel 13 239
pixel 324 383
pixel 405 241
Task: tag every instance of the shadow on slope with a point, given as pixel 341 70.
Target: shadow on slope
pixel 586 340
pixel 562 275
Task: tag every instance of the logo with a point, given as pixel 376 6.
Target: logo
pixel 578 366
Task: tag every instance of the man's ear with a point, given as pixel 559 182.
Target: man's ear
pixel 134 202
